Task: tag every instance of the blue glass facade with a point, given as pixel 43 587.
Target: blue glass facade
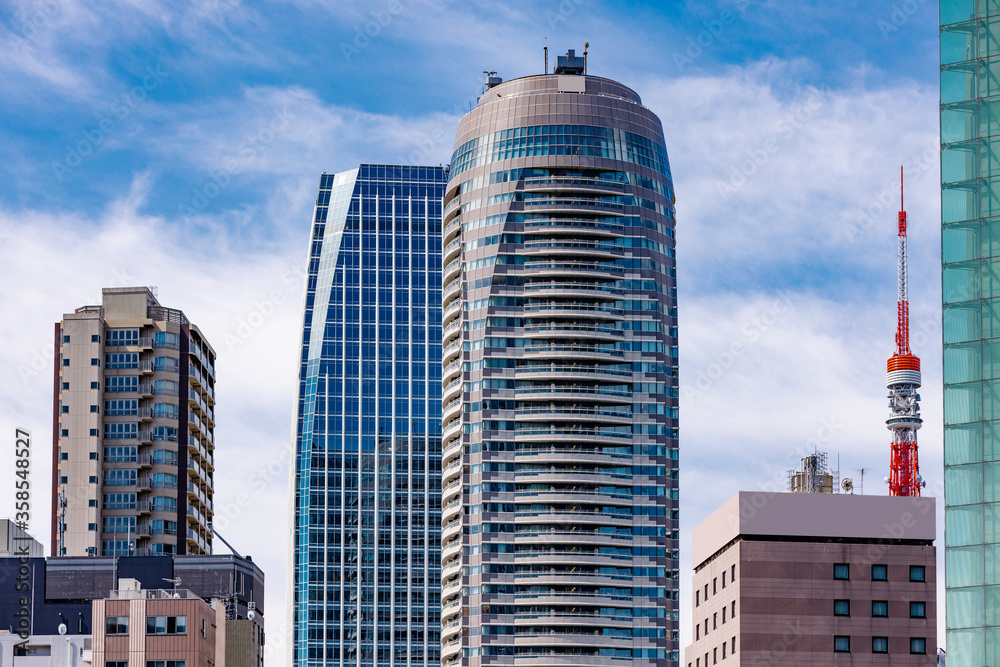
pixel 366 481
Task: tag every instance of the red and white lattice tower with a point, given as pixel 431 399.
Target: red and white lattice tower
pixel 903 380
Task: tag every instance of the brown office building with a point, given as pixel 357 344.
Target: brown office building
pixel 133 427
pixel 785 579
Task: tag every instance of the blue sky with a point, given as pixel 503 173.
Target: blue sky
pixel 179 144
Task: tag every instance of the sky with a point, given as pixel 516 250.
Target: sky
pixel 179 143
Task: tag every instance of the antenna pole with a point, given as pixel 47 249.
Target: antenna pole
pixel 546 50
pixel 586 45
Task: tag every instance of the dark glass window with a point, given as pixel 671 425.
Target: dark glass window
pixel 880 644
pixel 880 573
pixel 880 608
pixel 841 607
pixel 918 573
pixel 841 571
pixel 842 644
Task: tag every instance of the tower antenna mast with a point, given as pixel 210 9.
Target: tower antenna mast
pixel 903 380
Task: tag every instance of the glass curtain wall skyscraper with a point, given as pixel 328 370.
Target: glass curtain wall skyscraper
pixel 970 240
pixel 559 533
pixel 366 478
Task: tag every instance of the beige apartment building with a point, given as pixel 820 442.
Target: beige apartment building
pixel 133 423
pixel 785 579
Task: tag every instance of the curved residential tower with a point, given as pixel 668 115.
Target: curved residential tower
pixel 559 418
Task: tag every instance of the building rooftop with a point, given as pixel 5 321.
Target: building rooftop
pixel 759 515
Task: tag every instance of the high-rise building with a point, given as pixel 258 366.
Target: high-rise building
pixel 366 481
pixel 786 579
pixel 133 426
pixel 559 533
pixel 970 252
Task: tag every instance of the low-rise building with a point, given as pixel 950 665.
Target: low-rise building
pixel 784 579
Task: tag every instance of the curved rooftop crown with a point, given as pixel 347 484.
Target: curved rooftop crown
pixel 558 83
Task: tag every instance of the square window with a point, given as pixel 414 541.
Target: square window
pixel 91 526
pixel 65 385
pixel 94 432
pixel 841 571
pixel 918 573
pixel 880 644
pixel 918 610
pixel 918 645
pixel 64 433
pixel 880 573
pixel 880 608
pixel 116 625
pixel 841 607
pixel 93 408
pixel 93 456
pixel 92 502
pixel 65 362
pixel 93 479
pixel 95 362
pixel 64 409
pixel 842 644
pixel 95 338
pixel 63 456
pixel 95 385
pixel 64 480
pixel 65 338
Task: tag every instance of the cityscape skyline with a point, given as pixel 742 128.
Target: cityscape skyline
pixel 780 313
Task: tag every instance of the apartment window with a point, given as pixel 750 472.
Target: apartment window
pixel 880 608
pixel 94 408
pixel 123 336
pixel 715 656
pixel 918 645
pixel 121 430
pixel 93 456
pixel 724 646
pixel 841 607
pixel 166 625
pixel 65 362
pixel 706 591
pixel 164 480
pixel 732 573
pixel 116 663
pixel 95 338
pixel 119 524
pixel 880 644
pixel 64 409
pixel 165 433
pixel 65 385
pixel 119 501
pixel 121 406
pixel 723 579
pixel 733 614
pixel 715 618
pixel 164 663
pixel 64 480
pixel 167 340
pixel 65 339
pixel 63 456
pixel 697 631
pixel 715 585
pixel 842 644
pixel 92 479
pixel 918 573
pixel 116 383
pixel 697 598
pixel 116 625
pixel 841 571
pixel 733 649
pixel 918 610
pixel 95 362
pixel 706 626
pixel 723 615
pixel 164 456
pixel 204 628
pixel 119 477
pixel 165 410
pixel 94 432
pixel 91 502
pixel 92 526
pixel 166 364
pixel 122 360
pixel 95 385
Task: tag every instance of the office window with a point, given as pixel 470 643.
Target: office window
pixel 918 573
pixel 880 644
pixel 918 610
pixel 116 663
pixel 841 571
pixel 723 579
pixel 715 619
pixel 733 649
pixel 164 663
pixel 880 608
pixel 880 573
pixel 116 625
pixel 166 625
pixel 65 362
pixel 95 385
pixel 918 645
pixel 697 631
pixel 842 644
pixel 95 362
pixel 841 607
pixel 715 656
pixel 733 614
pixel 732 573
pixel 723 615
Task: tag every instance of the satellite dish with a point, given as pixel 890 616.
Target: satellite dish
pixel 251 615
pixel 885 480
pixel 62 628
pixel 847 485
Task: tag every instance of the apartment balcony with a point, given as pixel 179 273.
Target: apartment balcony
pixel 557 250
pixel 567 392
pixel 576 330
pixel 579 227
pixel 451 250
pixel 591 311
pixel 590 289
pixel 568 268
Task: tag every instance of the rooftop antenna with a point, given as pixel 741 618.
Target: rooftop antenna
pixel 546 50
pixel 586 45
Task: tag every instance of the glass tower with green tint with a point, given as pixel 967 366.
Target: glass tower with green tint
pixel 970 239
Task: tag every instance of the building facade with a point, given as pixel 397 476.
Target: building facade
pixel 559 537
pixel 133 428
pixel 787 579
pixel 366 480
pixel 970 217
